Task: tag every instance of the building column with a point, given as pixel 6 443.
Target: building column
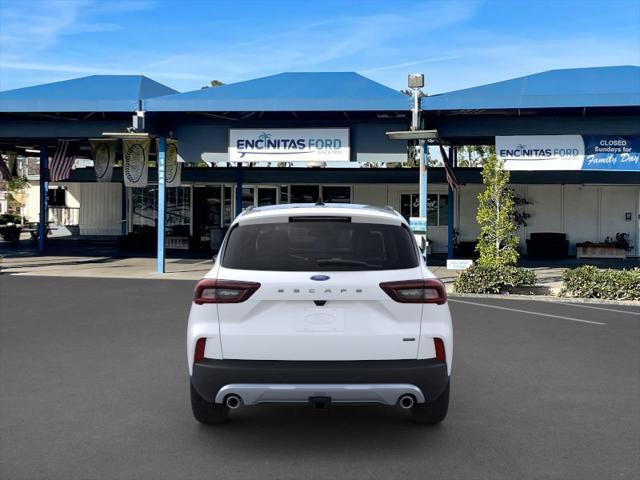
pixel 162 148
pixel 239 180
pixel 124 227
pixel 453 158
pixel 44 198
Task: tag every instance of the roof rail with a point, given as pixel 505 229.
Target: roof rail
pixel 391 209
pixel 246 210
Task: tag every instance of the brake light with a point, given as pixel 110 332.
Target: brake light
pixel 200 346
pixel 440 353
pixel 210 290
pixel 428 290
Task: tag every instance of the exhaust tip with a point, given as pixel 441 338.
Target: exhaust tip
pixel 406 402
pixel 233 401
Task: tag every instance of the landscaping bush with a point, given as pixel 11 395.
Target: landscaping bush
pixel 592 282
pixel 485 279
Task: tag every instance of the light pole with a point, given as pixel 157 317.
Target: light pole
pixel 416 83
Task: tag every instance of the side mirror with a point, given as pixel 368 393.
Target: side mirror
pixel 214 258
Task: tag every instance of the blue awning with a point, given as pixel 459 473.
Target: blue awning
pixel 288 92
pixel 96 93
pixel 570 88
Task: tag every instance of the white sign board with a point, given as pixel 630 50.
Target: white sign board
pixel 541 152
pixel 289 145
pixel 418 224
pixel 458 264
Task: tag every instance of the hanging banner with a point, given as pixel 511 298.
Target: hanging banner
pixel 610 152
pixel 173 166
pixel 569 152
pixel 136 161
pixel 289 145
pixel 541 152
pixel 104 157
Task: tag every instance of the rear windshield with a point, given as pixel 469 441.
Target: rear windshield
pixel 320 246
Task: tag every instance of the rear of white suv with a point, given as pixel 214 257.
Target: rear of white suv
pixel 319 304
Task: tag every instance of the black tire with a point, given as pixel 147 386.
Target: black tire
pixel 431 413
pixel 208 413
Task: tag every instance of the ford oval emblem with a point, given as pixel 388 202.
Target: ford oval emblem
pixel 320 278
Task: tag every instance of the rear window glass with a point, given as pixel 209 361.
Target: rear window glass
pixel 320 246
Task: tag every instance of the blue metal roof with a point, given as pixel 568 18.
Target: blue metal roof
pixel 577 87
pixel 285 92
pixel 96 93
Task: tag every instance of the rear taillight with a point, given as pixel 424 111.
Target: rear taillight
pixel 200 346
pixel 440 354
pixel 223 291
pixel 429 290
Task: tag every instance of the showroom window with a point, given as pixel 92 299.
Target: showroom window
pixel 311 193
pixel 437 212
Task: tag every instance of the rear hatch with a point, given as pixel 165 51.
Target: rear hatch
pixel 319 296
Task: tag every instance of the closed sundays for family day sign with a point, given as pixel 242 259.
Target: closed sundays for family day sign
pixel 289 145
pixel 569 152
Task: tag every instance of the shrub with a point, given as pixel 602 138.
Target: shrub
pixel 483 279
pixel 592 282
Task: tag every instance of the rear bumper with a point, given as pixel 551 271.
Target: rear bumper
pixel 210 377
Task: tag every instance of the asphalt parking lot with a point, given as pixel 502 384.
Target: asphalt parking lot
pixel 93 385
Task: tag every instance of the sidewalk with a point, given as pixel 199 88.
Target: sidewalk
pixel 178 269
pixel 105 267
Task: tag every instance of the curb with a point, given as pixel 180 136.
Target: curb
pixel 547 298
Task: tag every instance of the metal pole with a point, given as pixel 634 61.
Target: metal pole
pixel 239 180
pixel 422 158
pixel 162 148
pixel 44 198
pixel 450 208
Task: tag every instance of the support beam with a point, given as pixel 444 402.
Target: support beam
pixel 453 153
pixel 162 148
pixel 44 198
pixel 124 228
pixel 239 180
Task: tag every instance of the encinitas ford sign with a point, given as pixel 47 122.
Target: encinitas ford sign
pixel 289 145
pixel 541 152
pixel 569 152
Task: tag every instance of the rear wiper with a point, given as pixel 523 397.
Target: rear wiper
pixel 343 261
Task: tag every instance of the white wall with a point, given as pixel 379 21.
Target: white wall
pixel 100 208
pixel 584 213
pixel 371 194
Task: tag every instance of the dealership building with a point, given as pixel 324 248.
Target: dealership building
pixel 570 137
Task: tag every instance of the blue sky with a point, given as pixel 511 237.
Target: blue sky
pixel 185 44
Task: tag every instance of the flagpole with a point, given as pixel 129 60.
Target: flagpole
pixel 44 198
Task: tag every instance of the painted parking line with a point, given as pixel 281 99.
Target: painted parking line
pixel 579 320
pixel 628 312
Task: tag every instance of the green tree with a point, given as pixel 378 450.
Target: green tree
pixel 474 155
pixel 213 83
pixel 498 242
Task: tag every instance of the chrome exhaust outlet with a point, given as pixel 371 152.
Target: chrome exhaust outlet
pixel 406 402
pixel 233 401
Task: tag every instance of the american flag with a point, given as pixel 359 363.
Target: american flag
pixel 4 170
pixel 448 170
pixel 61 162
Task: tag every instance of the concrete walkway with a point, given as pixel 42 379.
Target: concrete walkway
pixel 177 269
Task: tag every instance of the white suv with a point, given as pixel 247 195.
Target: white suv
pixel 319 304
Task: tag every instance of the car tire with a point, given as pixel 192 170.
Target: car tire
pixel 208 413
pixel 433 412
